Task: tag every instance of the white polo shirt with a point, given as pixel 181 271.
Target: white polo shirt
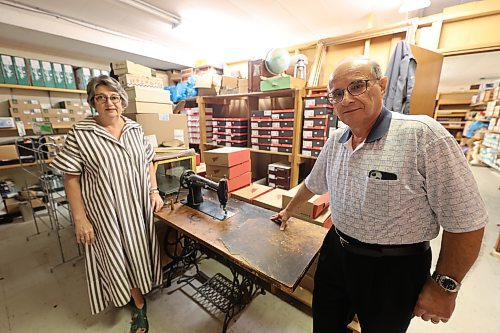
pixel 426 182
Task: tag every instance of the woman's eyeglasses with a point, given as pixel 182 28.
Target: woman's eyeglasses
pixel 115 99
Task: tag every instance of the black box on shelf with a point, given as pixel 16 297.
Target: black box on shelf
pixel 308 143
pixel 317 111
pixel 266 141
pixel 260 132
pixel 283 114
pixel 312 151
pixel 282 123
pixel 260 113
pixel 230 122
pixel 261 123
pixel 230 129
pixel 281 141
pixel 316 99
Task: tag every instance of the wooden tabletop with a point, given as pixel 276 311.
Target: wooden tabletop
pixel 252 241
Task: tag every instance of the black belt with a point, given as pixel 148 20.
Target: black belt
pixel 374 250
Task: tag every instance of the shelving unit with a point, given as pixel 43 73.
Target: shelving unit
pixel 16 86
pixel 240 105
pixel 452 109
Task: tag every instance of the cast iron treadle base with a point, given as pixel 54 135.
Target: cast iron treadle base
pixel 210 208
pixel 216 292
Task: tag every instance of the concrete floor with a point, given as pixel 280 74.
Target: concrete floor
pixel 32 299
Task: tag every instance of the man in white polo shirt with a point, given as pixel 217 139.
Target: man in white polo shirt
pixel 393 181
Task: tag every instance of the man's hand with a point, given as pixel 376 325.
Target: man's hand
pixel 156 201
pixel 84 231
pixel 282 217
pixel 434 303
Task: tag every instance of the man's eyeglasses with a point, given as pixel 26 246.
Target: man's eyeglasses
pixel 354 88
pixel 115 99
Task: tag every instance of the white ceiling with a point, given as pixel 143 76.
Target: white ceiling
pixel 215 31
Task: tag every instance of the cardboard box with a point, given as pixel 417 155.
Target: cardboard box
pixel 82 76
pixel 25 113
pixel 228 172
pixel 229 82
pixel 271 200
pixel 8 152
pixel 243 86
pixel 250 193
pixel 24 103
pixel 36 73
pixel 312 208
pixel 147 94
pixel 9 72
pixel 11 205
pixel 58 74
pixel 167 127
pixel 226 156
pixel 21 71
pixel 132 80
pixel 48 74
pixel 206 91
pixel 128 67
pixel 145 107
pixel 237 182
pixel 69 77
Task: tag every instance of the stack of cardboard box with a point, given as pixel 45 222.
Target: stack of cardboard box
pixel 31 111
pixel 279 174
pixel 193 116
pixel 231 132
pixel 230 163
pixel 272 130
pixel 319 123
pixel 315 210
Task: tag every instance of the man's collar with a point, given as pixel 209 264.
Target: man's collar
pixel 378 130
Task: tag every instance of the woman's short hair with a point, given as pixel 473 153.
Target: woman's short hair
pixel 107 81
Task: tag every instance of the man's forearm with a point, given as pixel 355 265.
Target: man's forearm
pixel 458 253
pixel 302 195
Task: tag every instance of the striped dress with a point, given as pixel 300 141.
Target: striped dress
pixel 115 189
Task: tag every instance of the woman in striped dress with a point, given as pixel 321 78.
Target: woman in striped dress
pixel 111 188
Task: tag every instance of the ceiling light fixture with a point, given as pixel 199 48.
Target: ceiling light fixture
pixel 411 5
pixel 172 19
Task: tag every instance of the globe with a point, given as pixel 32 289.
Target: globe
pixel 277 61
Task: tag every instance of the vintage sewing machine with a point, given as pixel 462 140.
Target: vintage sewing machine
pixel 194 184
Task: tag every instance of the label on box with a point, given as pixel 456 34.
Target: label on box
pixel 309 102
pixel 164 116
pixel 275 133
pixel 179 134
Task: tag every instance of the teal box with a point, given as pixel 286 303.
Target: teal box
pixel 58 75
pixel 94 72
pixel 83 76
pixel 9 73
pixel 21 71
pixel 48 74
pixel 1 73
pixel 69 77
pixel 36 73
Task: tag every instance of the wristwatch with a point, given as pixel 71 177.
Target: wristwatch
pixel 446 282
pixel 154 190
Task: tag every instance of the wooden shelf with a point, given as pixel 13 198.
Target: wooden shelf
pixel 13 166
pixel 15 86
pixel 491 131
pixel 453 127
pixel 269 152
pixel 308 157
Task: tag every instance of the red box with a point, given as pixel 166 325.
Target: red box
pixel 236 183
pixel 229 172
pixel 226 156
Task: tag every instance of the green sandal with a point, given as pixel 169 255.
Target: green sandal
pixel 139 319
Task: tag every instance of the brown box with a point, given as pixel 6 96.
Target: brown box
pixel 226 156
pixel 145 107
pixel 228 172
pixel 167 127
pixel 8 152
pixel 24 103
pixel 243 86
pixel 128 67
pixel 132 80
pixel 229 82
pixel 237 182
pixel 271 200
pixel 147 94
pixel 312 208
pixel 256 69
pixel 207 91
pixel 250 193
pixel 12 205
pixel 24 113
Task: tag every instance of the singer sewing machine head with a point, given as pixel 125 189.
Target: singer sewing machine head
pixel 194 183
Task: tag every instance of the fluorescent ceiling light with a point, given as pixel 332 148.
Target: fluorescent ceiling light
pixel 410 5
pixel 172 19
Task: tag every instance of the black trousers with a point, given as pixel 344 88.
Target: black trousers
pixel 382 291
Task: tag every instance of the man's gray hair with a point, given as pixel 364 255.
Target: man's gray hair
pixel 109 82
pixel 374 66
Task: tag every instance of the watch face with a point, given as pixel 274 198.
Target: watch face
pixel 447 283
